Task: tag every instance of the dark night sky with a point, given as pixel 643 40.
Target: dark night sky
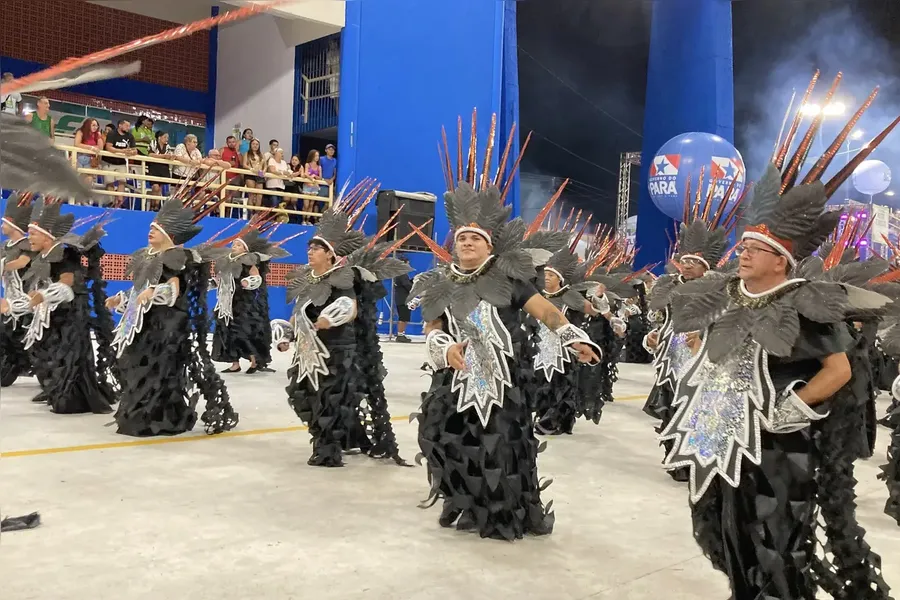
pixel 582 77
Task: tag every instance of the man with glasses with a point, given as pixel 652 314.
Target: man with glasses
pixel 764 411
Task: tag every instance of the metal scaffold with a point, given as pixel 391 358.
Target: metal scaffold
pixel 628 160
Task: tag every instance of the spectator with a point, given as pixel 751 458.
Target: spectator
pixel 121 143
pixel 41 119
pixel 253 161
pixel 329 169
pixel 313 171
pixel 143 135
pixel 188 155
pixel 293 187
pixel 12 102
pixel 215 164
pixel 231 155
pixel 246 138
pixel 276 165
pixel 273 144
pixel 402 286
pixel 88 138
pixel 159 148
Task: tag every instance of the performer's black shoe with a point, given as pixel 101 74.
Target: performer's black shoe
pixel 401 338
pixel 230 370
pixel 252 370
pixel 448 515
pixel 681 474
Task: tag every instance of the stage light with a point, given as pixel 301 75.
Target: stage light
pixel 889 193
pixel 835 108
pixel 857 134
pixel 811 110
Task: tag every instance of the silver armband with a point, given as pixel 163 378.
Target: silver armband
pixel 164 295
pixel 791 413
pixel 19 306
pixel 600 304
pixel 618 325
pixel 339 312
pixel 646 337
pixel 414 303
pixel 282 331
pixel 253 282
pixel 437 344
pixel 570 335
pixel 56 294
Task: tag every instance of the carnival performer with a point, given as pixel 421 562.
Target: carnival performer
pixel 72 378
pixel 700 245
pixel 476 430
pixel 243 329
pixel 556 390
pixel 761 410
pixel 15 256
pixel 330 376
pixel 161 337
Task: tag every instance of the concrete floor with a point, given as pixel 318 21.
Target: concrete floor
pixel 242 516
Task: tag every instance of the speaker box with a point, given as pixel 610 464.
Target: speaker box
pixel 417 209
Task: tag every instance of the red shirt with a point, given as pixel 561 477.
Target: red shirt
pixel 234 157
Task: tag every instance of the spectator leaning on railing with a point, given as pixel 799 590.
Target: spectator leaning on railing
pixel 276 165
pixel 188 155
pixel 143 134
pixel 253 161
pixel 12 102
pixel 41 119
pixel 328 163
pixel 121 143
pixel 89 139
pixel 159 148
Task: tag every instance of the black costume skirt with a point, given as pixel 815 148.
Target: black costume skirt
pixel 155 398
pixel 763 534
pixel 67 372
pixel 659 406
pixel 14 359
pixel 486 476
pixel 247 335
pixel 595 383
pixel 333 411
pixel 891 471
pixel 634 341
pixel 556 401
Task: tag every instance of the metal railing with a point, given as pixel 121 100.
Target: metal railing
pixel 142 183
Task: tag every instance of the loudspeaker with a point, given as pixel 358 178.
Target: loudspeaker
pixel 417 209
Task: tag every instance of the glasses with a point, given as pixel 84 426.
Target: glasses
pixel 752 251
pixel 690 262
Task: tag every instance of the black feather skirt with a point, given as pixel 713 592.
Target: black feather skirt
pixel 486 476
pixel 890 472
pixel 156 394
pixel 556 402
pixel 248 334
pixel 333 412
pixel 763 533
pixel 68 372
pixel 15 361
pixel 595 383
pixel 634 341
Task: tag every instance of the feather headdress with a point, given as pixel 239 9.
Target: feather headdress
pixel 17 213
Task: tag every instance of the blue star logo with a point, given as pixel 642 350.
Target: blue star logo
pixel 730 171
pixel 661 164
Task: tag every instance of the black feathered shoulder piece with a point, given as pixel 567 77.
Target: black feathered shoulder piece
pixel 771 318
pixel 662 290
pixel 146 265
pixel 303 285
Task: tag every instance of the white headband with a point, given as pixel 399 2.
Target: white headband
pixel 11 224
pixel 159 228
pixel 41 229
pixel 470 229
pixel 557 273
pixel 760 237
pixel 325 243
pixel 697 258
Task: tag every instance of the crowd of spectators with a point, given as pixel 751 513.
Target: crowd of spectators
pixel 121 142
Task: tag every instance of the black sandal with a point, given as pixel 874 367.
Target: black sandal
pixel 230 370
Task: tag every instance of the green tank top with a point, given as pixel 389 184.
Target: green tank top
pixel 42 126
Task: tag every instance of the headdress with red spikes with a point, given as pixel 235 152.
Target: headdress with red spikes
pixel 782 214
pixel 18 212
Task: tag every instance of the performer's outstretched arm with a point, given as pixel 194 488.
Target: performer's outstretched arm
pixel 543 310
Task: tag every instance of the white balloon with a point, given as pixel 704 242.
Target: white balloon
pixel 872 177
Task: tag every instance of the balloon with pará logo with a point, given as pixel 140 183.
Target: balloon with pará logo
pixel 872 177
pixel 682 157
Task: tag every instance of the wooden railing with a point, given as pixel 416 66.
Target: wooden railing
pixel 237 194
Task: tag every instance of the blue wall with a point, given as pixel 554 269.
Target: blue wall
pixel 690 87
pixel 125 90
pixel 407 68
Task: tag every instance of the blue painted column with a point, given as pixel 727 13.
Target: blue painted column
pixel 211 82
pixel 409 67
pixel 690 87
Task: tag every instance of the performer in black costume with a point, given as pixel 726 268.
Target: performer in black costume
pixel 59 335
pixel 762 410
pixel 243 329
pixel 699 247
pixel 332 327
pixel 476 431
pixel 161 337
pixel 15 256
pixel 556 396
